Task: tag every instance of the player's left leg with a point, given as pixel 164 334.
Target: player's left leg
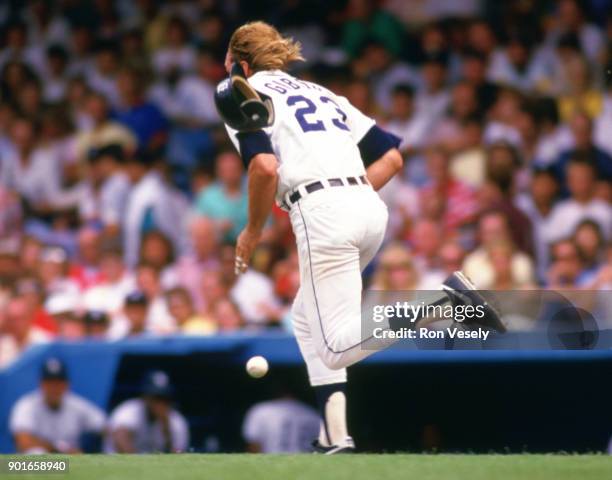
pixel 329 386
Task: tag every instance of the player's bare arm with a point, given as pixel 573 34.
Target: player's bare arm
pixel 262 184
pixel 385 168
pixel 26 441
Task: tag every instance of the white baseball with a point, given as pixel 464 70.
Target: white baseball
pixel 257 366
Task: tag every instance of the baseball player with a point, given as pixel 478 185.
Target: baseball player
pixel 52 419
pixel 322 160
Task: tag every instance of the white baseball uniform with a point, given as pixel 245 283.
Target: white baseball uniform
pixel 62 426
pixel 338 229
pixel 148 434
pixel 283 425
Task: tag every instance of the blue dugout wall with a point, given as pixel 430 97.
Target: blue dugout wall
pixel 391 393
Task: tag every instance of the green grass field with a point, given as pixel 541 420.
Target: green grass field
pixel 316 467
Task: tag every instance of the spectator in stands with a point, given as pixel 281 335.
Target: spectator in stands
pixel 148 424
pixel 19 330
pixel 520 64
pixel 29 171
pixel 96 324
pixel 396 270
pixel 366 20
pixel 85 268
pixel 500 255
pixel 102 74
pixel 432 98
pixel 117 282
pixel 149 207
pixel 493 228
pixel 581 96
pixel 177 55
pixel 538 205
pixel 404 121
pixel 32 292
pixel 157 250
pixel 191 268
pixel 582 131
pixel 225 201
pixel 376 65
pixel 52 419
pixel 425 240
pixel 64 309
pixel 144 119
pixel 460 201
pixel 57 74
pixel 499 189
pixel 148 281
pixel 104 132
pixel 53 269
pixel 227 316
pixel 582 204
pixel 590 242
pixel 180 306
pixel 474 72
pixel 567 266
pixel 468 164
pixel 106 190
pixel 133 323
pixel 463 105
pixel 571 19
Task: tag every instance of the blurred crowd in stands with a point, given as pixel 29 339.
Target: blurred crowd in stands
pixel 121 198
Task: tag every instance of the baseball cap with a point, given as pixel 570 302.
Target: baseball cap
pixel 53 369
pixel 136 298
pixel 157 384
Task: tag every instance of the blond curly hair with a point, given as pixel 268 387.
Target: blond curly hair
pixel 263 47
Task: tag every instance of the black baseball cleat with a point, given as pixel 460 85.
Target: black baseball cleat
pixel 348 447
pixel 461 291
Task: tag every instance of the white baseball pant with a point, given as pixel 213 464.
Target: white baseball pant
pixel 338 231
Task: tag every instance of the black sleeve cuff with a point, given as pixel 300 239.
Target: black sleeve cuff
pixel 376 143
pixel 253 143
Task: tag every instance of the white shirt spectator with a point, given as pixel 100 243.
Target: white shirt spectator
pixel 150 194
pixel 412 131
pixel 253 293
pixel 431 105
pixel 105 85
pixel 550 145
pixel 501 132
pixel 38 182
pixel 536 75
pixel 382 84
pixel 540 229
pixel 566 216
pixel 109 297
pixel 166 59
pixel 281 426
pixel 62 427
pixel 108 203
pixel 33 56
pixel 147 434
pixel 192 99
pixel 159 320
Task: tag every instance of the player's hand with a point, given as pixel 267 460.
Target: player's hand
pixel 245 245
